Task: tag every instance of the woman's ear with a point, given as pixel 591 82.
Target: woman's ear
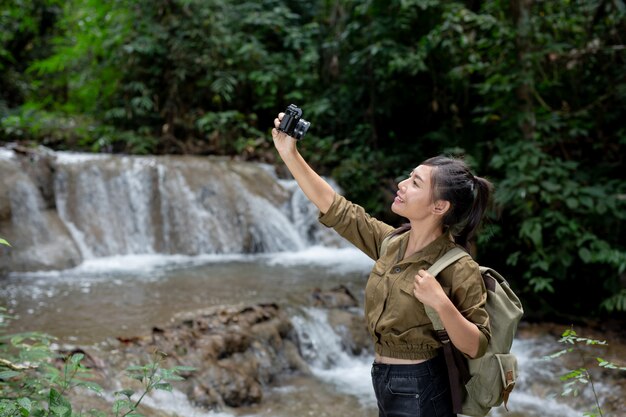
pixel 441 207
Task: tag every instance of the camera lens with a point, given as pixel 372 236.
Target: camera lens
pixel 301 128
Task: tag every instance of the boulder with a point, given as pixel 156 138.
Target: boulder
pixel 235 350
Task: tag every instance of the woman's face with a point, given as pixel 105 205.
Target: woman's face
pixel 414 197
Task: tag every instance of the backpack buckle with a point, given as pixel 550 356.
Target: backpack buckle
pixel 442 335
pixel 510 384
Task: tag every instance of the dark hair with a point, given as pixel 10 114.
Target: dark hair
pixel 469 197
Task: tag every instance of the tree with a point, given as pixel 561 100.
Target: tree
pixel 531 93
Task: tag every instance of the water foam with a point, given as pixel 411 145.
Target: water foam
pixel 138 265
pixel 6 154
pixel 78 157
pixel 176 403
pixel 341 260
pixel 323 350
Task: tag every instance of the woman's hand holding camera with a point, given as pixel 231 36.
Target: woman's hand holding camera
pixel 283 142
pixel 289 124
pixel 288 128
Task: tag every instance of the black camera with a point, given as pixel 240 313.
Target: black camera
pixel 292 123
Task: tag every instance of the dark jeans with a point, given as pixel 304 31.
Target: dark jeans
pixel 413 390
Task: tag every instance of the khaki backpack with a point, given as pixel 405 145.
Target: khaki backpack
pixel 479 384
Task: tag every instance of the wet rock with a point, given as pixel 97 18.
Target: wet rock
pixel 38 164
pixel 345 316
pixel 236 351
pixel 338 297
pixel 28 219
pixel 351 326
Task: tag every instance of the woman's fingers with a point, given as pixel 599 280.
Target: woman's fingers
pixel 278 119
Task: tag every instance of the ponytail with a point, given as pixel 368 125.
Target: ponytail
pixel 482 196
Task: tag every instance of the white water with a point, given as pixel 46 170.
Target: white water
pixel 339 260
pixel 351 375
pixel 322 349
pixel 177 404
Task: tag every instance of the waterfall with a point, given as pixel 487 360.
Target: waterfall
pixel 322 348
pixel 106 205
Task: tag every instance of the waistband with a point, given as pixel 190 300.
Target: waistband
pixel 431 367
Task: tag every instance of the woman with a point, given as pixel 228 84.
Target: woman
pixel 444 204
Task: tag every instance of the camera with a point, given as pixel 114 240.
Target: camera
pixel 293 124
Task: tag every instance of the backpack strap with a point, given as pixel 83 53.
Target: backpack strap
pixel 458 372
pixel 384 245
pixel 442 263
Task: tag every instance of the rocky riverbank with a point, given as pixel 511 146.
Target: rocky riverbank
pixel 237 351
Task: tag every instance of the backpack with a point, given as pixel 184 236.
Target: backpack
pixel 488 380
pixel 479 384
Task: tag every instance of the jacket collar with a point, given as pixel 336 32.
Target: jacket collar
pixel 433 251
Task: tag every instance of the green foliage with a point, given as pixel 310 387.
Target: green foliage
pixel 532 94
pixel 4 242
pixel 188 76
pixel 530 80
pixel 153 377
pixel 616 302
pixel 25 30
pixel 31 384
pixel 576 379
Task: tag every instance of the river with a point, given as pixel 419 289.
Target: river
pixel 128 295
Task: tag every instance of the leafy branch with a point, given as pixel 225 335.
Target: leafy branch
pixel 31 386
pixel 574 380
pixel 153 377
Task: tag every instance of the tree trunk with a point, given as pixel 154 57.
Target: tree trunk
pixel 521 17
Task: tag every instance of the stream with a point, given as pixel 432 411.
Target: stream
pixel 125 296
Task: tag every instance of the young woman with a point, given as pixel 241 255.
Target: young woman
pixel 444 204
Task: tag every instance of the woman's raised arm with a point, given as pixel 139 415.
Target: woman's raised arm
pixel 314 187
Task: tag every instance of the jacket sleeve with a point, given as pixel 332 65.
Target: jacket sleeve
pixel 355 225
pixel 469 295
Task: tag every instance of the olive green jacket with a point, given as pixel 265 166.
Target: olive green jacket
pixel 396 320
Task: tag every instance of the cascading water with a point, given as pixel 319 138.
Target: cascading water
pixel 322 347
pixel 535 396
pixel 121 205
pixel 169 205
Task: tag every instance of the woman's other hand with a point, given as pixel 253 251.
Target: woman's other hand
pixel 428 290
pixel 463 333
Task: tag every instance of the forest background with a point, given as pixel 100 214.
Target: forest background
pixel 531 92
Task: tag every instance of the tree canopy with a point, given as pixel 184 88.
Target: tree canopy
pixel 531 92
